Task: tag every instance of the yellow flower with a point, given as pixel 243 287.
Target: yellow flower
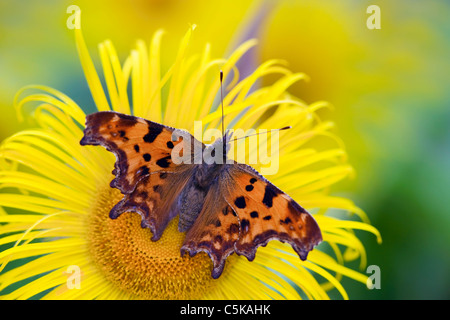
pixel 56 195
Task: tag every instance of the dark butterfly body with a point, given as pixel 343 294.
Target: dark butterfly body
pixel 223 206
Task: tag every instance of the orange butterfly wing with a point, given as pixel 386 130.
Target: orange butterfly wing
pixel 140 146
pixel 155 199
pixel 243 211
pixel 266 213
pixel 215 231
pixel 144 170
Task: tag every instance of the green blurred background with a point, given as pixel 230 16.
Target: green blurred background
pixel 389 87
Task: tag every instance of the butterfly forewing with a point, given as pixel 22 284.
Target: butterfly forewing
pixel 141 146
pixel 144 170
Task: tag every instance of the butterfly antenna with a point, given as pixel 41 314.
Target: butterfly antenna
pixel 255 134
pixel 221 99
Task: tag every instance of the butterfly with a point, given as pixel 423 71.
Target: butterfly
pixel 224 208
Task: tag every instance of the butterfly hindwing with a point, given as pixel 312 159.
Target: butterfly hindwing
pixel 215 231
pixel 154 198
pixel 266 213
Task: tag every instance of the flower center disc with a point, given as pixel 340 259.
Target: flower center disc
pixel 123 250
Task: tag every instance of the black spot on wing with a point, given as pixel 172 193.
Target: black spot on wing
pixel 245 224
pixel 269 193
pixel 240 202
pixel 225 211
pixel 164 162
pixel 136 148
pixel 153 133
pixel 147 157
pixel 143 171
pixel 286 221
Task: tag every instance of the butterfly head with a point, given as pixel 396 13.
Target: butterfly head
pixel 218 150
